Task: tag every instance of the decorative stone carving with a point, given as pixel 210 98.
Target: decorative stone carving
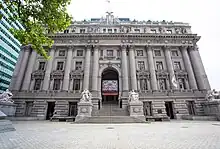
pixel 38 74
pixel 143 74
pixel 57 74
pixel 180 74
pixel 76 74
pixel 6 97
pixel 162 74
pixel 86 96
pixel 213 95
pixel 133 96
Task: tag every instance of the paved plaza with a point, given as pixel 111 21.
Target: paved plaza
pixel 158 135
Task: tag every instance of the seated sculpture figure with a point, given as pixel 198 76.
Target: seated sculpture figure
pixel 133 96
pixel 213 95
pixel 86 96
pixel 6 97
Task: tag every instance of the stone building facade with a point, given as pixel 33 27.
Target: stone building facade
pixel 149 57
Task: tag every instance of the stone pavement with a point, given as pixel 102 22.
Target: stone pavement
pixel 158 135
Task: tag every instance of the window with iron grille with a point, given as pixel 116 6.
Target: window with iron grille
pixel 60 65
pixel 56 84
pixel 159 65
pixel 37 84
pixel 162 84
pixel 141 65
pixel 41 66
pixel 109 53
pixel 140 53
pixel 78 66
pixel 76 84
pixel 62 53
pixel 174 53
pixel 157 52
pixel 177 65
pixel 79 53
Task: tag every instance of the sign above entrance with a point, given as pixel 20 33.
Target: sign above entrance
pixel 109 86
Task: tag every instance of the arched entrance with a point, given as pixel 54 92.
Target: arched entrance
pixel 110 86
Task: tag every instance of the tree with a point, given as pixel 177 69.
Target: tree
pixel 38 17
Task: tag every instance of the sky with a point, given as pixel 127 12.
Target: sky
pixel 202 15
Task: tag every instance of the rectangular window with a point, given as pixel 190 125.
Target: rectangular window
pixel 82 30
pixel 159 65
pixel 162 84
pixel 115 30
pixel 169 31
pixel 177 65
pixel 62 53
pixel 37 84
pixel 76 84
pixel 143 84
pixel 118 53
pixel 78 66
pixel 174 53
pixel 56 84
pixel 140 53
pixel 153 31
pixel 101 53
pixel 79 53
pixel 181 84
pixel 141 65
pixel 137 30
pixel 157 52
pixel 109 53
pixel 104 30
pixel 41 66
pixel 60 65
pixel 109 30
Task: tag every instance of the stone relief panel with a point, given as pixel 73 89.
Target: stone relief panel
pixel 38 74
pixel 57 74
pixel 76 74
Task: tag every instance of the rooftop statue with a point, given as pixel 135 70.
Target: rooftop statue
pixel 213 95
pixel 6 97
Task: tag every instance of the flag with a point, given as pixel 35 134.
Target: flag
pixel 174 82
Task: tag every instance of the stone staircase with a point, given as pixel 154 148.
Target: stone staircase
pixel 111 113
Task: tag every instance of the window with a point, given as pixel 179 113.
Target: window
pixel 141 65
pixel 76 84
pixel 109 53
pixel 153 31
pixel 143 84
pixel 137 30
pixel 62 53
pixel 175 53
pixel 41 66
pixel 79 53
pixel 78 66
pixel 37 84
pixel 115 30
pixel 82 30
pixel 140 53
pixel 169 31
pixel 101 53
pixel 56 84
pixel 118 53
pixel 177 66
pixel 59 65
pixel 109 30
pixel 181 83
pixel 104 30
pixel 157 53
pixel 159 65
pixel 162 84
pixel 66 31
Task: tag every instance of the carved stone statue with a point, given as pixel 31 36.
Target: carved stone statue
pixel 133 96
pixel 6 97
pixel 213 95
pixel 86 96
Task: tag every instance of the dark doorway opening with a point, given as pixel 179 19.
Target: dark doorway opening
pixel 169 109
pixel 50 110
pixel 28 109
pixel 73 109
pixel 110 86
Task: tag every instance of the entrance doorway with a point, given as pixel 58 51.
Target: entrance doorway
pixel 169 109
pixel 73 109
pixel 110 86
pixel 50 110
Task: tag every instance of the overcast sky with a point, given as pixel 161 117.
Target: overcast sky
pixel 203 16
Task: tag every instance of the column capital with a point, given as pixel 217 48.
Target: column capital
pixel 123 47
pixel 88 46
pixel 183 47
pixel 194 48
pixel 166 47
pixel 131 47
pixel 96 47
pixel 70 47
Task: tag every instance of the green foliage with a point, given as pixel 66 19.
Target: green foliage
pixel 38 18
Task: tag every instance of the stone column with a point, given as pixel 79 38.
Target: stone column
pixel 95 72
pixel 30 65
pixel 17 68
pixel 169 66
pixel 22 68
pixel 133 69
pixel 87 68
pixel 124 69
pixel 46 82
pixel 198 68
pixel 152 69
pixel 66 78
pixel 188 67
